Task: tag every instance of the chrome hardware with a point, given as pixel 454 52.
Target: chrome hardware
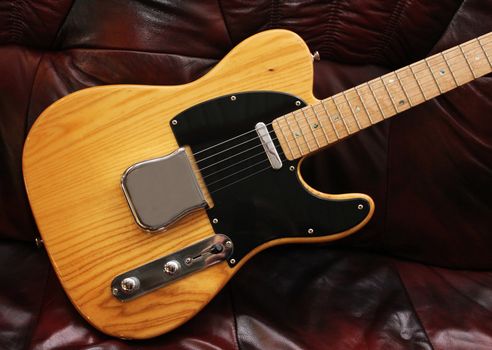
pixel 232 261
pixel 174 122
pixel 168 269
pixel 316 56
pixel 298 103
pixel 268 145
pixel 360 207
pixel 171 267
pixel 310 231
pixel 233 98
pixel 130 284
pixel 160 191
pixel 292 168
pixel 39 242
pixel 215 220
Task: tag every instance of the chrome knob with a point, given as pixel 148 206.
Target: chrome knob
pixel 171 267
pixel 130 284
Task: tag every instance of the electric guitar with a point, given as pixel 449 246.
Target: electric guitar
pixel 150 198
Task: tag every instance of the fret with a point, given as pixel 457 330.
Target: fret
pixel 404 90
pixel 301 132
pixel 389 94
pixel 311 127
pixel 449 69
pixel 433 76
pixel 364 105
pixel 418 83
pixel 340 114
pixel 468 63
pixel 344 109
pixel 457 62
pixel 476 59
pixel 294 134
pixel 376 99
pixel 351 110
pixel 443 76
pixel 426 79
pixel 285 138
pixel 320 124
pixel 354 103
pixel 331 121
pixel 410 86
pixel 395 89
pixel 484 52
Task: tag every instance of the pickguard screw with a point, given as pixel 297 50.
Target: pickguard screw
pixel 360 207
pixel 298 103
pixel 232 261
pixel 292 168
pixel 310 231
pixel 215 221
pixel 233 98
pixel 115 291
pixel 228 244
pixel 39 242
pixel 174 122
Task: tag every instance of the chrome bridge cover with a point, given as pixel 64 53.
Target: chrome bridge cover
pixel 160 191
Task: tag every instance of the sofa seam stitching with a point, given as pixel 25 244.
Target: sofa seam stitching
pixel 405 290
pixel 62 24
pixel 221 9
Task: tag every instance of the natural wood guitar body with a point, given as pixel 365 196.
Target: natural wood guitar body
pixel 80 146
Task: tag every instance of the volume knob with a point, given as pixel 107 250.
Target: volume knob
pixel 171 267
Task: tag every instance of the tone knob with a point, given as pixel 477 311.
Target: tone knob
pixel 130 284
pixel 171 267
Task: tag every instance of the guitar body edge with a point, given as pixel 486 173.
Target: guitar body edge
pixel 81 211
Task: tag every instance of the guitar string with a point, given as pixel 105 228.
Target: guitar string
pixel 271 132
pixel 445 60
pixel 248 176
pixel 237 172
pixel 432 82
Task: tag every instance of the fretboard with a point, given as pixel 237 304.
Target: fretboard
pixel 308 129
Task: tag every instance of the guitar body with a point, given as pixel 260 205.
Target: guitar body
pixel 79 148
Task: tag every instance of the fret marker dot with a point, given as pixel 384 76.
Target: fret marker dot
pixel 401 102
pixel 315 126
pixel 391 81
pixel 477 57
pixel 357 109
pixel 442 72
pixel 297 134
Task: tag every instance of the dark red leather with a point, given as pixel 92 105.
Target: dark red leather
pixel 428 170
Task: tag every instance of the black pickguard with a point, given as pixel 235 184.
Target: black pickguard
pixel 268 203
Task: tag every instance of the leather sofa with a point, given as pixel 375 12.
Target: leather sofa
pixel 418 276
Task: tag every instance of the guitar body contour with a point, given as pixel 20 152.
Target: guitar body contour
pixel 78 149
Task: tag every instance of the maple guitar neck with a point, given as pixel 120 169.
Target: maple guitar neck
pixel 315 126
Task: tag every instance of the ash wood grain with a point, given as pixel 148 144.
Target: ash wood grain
pixel 73 160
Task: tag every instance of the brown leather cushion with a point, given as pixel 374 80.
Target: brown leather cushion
pixel 428 170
